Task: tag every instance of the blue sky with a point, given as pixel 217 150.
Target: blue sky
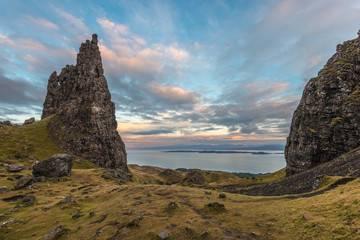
pixel 180 72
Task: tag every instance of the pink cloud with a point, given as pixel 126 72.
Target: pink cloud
pixel 42 22
pixel 175 95
pixel 112 27
pixel 133 56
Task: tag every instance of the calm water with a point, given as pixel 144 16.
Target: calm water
pixel 231 162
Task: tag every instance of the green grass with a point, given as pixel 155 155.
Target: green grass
pixel 29 143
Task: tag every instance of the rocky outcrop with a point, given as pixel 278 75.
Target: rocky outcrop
pixel 326 124
pixel 29 121
pixel 85 122
pixel 58 165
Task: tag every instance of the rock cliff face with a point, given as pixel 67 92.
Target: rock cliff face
pixel 85 122
pixel 326 124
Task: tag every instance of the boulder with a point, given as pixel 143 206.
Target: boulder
pixel 58 165
pixel 53 233
pixel 171 206
pixel 16 167
pixel 29 121
pixel 163 235
pixel 4 189
pixel 68 199
pixel 24 181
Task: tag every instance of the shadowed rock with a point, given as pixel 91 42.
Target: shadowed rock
pixel 24 181
pixel 16 167
pixel 58 165
pixel 325 125
pixel 53 233
pixel 85 123
pixel 29 121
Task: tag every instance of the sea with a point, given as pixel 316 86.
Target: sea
pixel 250 162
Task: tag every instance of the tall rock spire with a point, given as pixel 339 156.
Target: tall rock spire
pixel 85 122
pixel 326 124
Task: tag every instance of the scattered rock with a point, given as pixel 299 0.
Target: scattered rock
pixel 117 174
pixel 29 199
pixel 215 207
pixel 24 181
pixel 58 165
pixel 29 121
pixel 53 233
pixel 171 207
pixel 68 199
pixel 102 218
pixel 135 222
pixel 307 216
pixel 171 226
pixel 77 216
pixel 222 195
pixel 9 221
pixel 12 210
pixel 207 193
pixel 16 167
pixel 164 235
pixel 4 189
pixel 13 198
pixel 85 123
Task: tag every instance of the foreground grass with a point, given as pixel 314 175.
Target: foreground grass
pixel 106 208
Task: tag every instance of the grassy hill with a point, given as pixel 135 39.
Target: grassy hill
pixel 107 209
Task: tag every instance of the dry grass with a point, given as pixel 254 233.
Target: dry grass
pixel 332 215
pixel 105 208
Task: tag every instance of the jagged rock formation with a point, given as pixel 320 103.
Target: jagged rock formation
pixel 85 123
pixel 326 124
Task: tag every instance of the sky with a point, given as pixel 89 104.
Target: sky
pixel 209 72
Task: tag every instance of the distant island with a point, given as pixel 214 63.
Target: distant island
pixel 217 147
pixel 219 152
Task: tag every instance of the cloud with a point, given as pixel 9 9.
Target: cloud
pixel 153 132
pixel 112 28
pixel 19 92
pixel 139 72
pixel 42 22
pixel 175 95
pixel 72 23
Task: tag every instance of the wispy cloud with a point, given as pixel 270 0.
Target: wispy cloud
pixel 42 22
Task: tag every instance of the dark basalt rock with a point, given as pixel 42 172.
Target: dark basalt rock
pixel 85 123
pixel 24 181
pixel 58 165
pixel 29 121
pixel 326 124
